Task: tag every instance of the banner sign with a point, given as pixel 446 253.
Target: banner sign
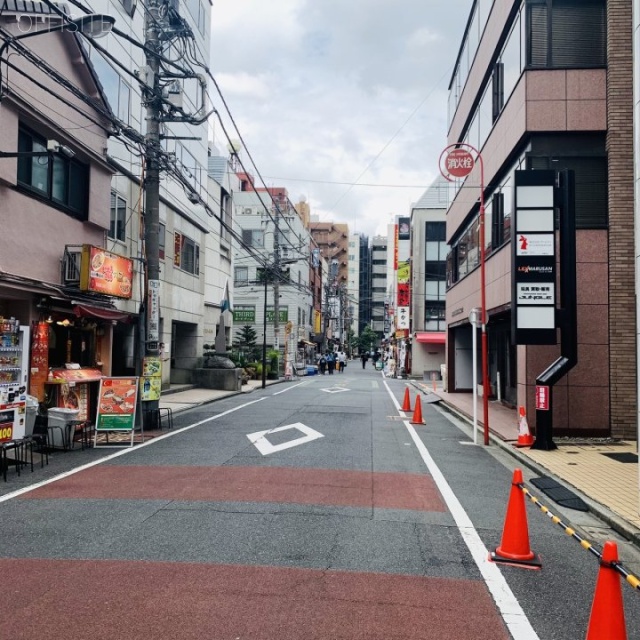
pixel 151 380
pixel 533 244
pixel 402 321
pixel 271 314
pixel 244 313
pixel 542 397
pixel 117 399
pixel 404 228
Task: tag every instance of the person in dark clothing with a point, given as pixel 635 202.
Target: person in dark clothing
pixel 331 363
pixel 364 357
pixel 323 364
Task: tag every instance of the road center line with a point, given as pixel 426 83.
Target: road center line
pixel 124 452
pixel 508 605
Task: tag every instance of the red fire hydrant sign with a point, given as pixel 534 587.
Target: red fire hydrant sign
pixel 542 398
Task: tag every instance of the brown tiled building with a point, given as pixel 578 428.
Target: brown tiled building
pixel 547 84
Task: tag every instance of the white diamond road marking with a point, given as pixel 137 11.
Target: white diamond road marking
pixel 334 390
pixel 265 447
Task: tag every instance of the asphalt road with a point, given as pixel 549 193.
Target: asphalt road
pixel 308 510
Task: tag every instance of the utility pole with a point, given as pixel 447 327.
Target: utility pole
pixel 276 281
pixel 151 301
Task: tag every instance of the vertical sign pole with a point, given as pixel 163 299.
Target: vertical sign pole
pixel 473 317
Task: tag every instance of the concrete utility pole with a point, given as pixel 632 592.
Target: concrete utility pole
pixel 276 281
pixel 152 188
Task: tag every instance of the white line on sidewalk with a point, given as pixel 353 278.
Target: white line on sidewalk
pixel 124 452
pixel 508 605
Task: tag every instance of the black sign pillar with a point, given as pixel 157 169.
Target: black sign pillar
pixel 535 317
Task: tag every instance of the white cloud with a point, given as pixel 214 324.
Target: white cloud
pixel 324 89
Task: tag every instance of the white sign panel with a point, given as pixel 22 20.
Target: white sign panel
pixel 535 196
pixel 153 320
pixel 536 317
pixel 535 244
pixel 535 220
pixel 536 293
pixel 402 321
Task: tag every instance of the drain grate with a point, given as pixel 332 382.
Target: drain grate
pixel 559 494
pixel 622 457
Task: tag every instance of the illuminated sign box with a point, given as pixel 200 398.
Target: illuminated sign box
pixel 105 272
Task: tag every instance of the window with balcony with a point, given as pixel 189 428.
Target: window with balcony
pixel 241 275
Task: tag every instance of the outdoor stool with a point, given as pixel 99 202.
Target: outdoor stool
pixel 168 413
pixel 81 430
pixel 5 447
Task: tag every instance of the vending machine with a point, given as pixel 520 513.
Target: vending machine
pixel 14 376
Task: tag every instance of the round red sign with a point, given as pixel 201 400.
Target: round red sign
pixel 459 163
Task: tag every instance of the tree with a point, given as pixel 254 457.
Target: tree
pixel 366 339
pixel 246 342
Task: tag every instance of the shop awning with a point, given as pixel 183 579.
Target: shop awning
pixel 431 337
pixel 89 311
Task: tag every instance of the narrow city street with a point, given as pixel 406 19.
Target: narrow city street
pixel 307 510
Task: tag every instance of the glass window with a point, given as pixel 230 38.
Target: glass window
pixel 436 231
pixel 511 60
pixel 241 274
pixel 187 254
pixel 56 178
pixel 253 237
pixel 118 221
pixel 161 240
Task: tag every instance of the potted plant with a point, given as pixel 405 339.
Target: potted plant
pixel 273 355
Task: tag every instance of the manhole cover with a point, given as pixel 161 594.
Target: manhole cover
pixel 622 457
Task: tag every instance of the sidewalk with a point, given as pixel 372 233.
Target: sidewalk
pixel 607 485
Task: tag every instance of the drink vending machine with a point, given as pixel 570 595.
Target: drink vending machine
pixel 14 358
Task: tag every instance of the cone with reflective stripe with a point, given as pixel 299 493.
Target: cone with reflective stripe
pixel 406 405
pixel 607 610
pixel 525 439
pixel 417 412
pixel 514 548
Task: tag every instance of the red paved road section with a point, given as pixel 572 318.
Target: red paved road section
pixel 250 484
pixel 76 600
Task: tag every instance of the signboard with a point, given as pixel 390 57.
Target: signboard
pixel 542 397
pixel 271 314
pixel 75 396
pixel 151 380
pixel 402 320
pixel 404 295
pixel 153 317
pixel 105 272
pixel 39 359
pixel 404 228
pixel 244 313
pixel 533 296
pixel 459 163
pixel 117 404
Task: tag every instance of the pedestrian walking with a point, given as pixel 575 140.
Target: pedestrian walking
pixel 364 357
pixel 323 364
pixel 331 363
pixel 342 361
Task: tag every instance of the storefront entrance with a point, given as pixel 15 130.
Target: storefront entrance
pixel 184 351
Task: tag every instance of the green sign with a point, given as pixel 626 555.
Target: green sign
pixel 271 314
pixel 245 314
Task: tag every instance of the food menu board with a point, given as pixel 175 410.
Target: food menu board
pixel 117 404
pixel 75 396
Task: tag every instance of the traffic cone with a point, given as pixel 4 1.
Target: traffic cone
pixel 406 405
pixel 417 412
pixel 514 547
pixel 607 610
pixel 525 439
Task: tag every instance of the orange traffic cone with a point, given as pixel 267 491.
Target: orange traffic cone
pixel 417 412
pixel 525 439
pixel 406 405
pixel 607 610
pixel 514 548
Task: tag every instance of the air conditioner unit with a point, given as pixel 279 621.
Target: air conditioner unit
pixel 247 211
pixel 71 267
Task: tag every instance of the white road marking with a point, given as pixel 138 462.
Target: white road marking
pixel 293 386
pixel 124 452
pixel 265 447
pixel 508 605
pixel 334 390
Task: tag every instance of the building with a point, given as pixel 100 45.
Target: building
pixel 364 287
pixel 379 300
pixel 54 195
pixel 530 93
pixel 271 232
pixel 428 281
pixel 353 284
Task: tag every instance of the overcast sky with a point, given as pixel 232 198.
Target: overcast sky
pixel 328 93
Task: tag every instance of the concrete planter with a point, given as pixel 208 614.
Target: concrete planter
pixel 223 379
